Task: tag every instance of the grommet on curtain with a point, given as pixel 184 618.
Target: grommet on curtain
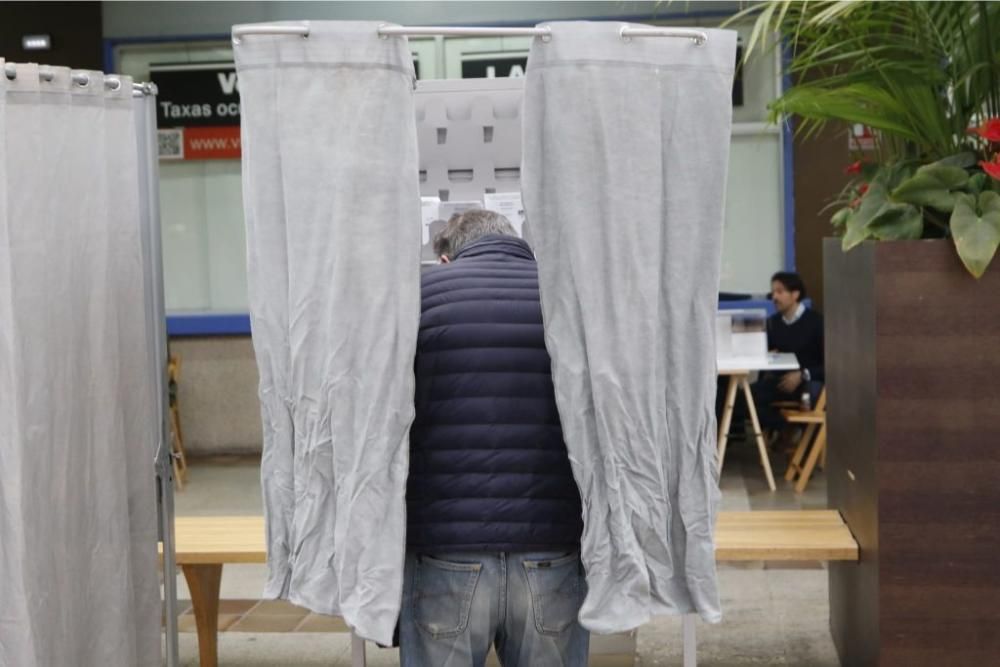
pixel 10 71
pixel 379 32
pixel 81 79
pixel 547 37
pixel 112 83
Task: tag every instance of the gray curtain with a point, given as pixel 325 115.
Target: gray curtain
pixel 332 205
pixel 78 426
pixel 625 153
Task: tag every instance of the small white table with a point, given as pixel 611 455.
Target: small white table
pixel 739 371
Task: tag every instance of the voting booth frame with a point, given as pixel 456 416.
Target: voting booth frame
pixel 144 99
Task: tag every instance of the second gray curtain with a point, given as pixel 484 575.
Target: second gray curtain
pixel 78 418
pixel 332 206
pixel 625 154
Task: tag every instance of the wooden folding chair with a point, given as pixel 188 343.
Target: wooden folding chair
pixel 812 442
pixel 177 437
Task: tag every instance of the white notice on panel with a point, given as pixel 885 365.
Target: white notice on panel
pixel 430 225
pixel 507 204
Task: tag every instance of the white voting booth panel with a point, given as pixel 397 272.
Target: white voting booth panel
pixel 469 138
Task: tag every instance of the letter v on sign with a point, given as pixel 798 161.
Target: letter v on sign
pixel 228 82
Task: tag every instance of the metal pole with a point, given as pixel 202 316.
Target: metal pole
pixel 627 33
pixel 690 641
pixel 79 78
pixel 359 657
pixel 144 96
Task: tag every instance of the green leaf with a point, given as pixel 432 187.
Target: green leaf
pixel 896 222
pixel 962 160
pixel 840 217
pixel 855 232
pixel 976 232
pixel 977 183
pixel 932 186
pixel 856 225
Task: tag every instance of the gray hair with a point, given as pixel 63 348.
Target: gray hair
pixel 468 227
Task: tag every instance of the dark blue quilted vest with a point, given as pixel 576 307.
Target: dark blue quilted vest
pixel 488 466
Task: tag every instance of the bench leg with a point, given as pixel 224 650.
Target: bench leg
pixel 765 462
pixel 358 657
pixel 203 581
pixel 690 641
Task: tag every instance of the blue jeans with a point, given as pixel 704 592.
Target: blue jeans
pixel 457 605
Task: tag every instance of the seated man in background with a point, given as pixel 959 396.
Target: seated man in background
pixel 796 329
pixel 493 510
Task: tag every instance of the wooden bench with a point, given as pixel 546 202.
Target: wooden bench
pixel 205 544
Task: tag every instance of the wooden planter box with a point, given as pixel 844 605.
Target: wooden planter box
pixel 913 372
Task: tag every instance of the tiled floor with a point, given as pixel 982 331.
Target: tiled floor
pixel 773 616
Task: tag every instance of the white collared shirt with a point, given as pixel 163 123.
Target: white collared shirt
pixel 795 316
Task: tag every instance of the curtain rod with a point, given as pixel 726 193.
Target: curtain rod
pixel 698 36
pixel 83 79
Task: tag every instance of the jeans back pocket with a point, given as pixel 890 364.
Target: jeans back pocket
pixel 442 595
pixel 557 591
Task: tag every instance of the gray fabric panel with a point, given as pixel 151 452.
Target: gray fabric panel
pixel 625 154
pixel 78 564
pixel 331 198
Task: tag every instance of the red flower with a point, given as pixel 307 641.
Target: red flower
pixel 990 130
pixel 863 189
pixel 856 202
pixel 853 168
pixel 993 167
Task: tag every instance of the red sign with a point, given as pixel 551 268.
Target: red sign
pixel 860 138
pixel 200 143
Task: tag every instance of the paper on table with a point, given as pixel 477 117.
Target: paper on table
pixel 507 204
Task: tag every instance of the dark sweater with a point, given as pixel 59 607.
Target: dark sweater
pixel 804 338
pixel 489 469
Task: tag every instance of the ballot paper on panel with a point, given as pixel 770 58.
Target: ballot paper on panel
pixel 507 204
pixel 430 224
pixel 450 208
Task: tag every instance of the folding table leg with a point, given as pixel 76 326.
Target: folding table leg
pixel 765 461
pixel 727 418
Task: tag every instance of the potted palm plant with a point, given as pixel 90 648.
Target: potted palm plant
pixel 913 316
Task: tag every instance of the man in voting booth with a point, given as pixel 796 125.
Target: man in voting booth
pixel 493 512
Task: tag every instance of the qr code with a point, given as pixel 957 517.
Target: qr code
pixel 171 144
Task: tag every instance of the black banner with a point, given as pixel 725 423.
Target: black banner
pixel 497 67
pixel 196 95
